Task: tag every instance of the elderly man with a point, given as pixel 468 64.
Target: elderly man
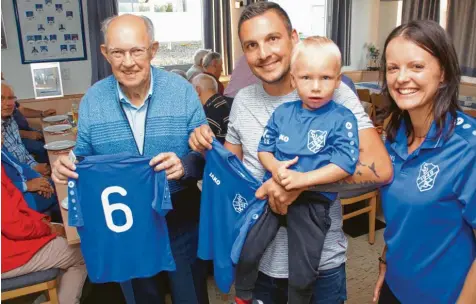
pixel 213 66
pixel 267 39
pixel 215 105
pixel 11 134
pixel 197 66
pixel 146 111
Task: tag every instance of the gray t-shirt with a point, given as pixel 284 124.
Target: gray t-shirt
pixel 252 107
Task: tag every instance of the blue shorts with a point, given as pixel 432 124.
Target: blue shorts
pixel 330 288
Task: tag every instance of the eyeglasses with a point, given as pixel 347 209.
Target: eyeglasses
pixel 136 53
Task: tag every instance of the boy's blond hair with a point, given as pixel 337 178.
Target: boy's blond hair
pixel 320 43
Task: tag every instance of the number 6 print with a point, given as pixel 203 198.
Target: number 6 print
pixel 110 208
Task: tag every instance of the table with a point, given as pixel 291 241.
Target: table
pixel 62 190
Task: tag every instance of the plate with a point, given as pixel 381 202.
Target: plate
pixel 55 118
pixel 60 145
pixel 69 113
pixel 64 203
pixel 57 128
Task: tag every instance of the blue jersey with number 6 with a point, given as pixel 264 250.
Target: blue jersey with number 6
pixel 118 205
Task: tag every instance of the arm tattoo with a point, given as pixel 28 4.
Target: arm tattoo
pixel 347 186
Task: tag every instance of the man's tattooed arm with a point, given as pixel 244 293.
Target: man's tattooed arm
pixel 374 168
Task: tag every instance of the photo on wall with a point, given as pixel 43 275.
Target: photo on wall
pixel 46 78
pixel 49 31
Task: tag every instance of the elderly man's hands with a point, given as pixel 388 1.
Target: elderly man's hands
pixel 201 139
pixel 40 185
pixel 48 112
pixel 278 198
pixel 63 168
pixel 170 163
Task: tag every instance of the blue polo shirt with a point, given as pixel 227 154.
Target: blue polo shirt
pixel 430 210
pixel 319 137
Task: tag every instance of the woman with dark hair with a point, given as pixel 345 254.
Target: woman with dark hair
pixel 430 207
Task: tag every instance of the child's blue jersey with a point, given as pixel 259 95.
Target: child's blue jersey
pixel 326 135
pixel 228 210
pixel 118 205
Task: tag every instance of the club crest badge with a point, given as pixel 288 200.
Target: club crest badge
pixel 316 140
pixel 239 203
pixel 427 176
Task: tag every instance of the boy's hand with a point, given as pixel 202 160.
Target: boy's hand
pixel 282 165
pixel 292 180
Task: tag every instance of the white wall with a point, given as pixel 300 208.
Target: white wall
pixel 365 21
pixel 388 20
pixel 19 75
pixel 235 16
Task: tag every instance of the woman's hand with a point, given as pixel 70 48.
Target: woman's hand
pixel 381 278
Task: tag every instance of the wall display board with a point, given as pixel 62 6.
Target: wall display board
pixel 50 31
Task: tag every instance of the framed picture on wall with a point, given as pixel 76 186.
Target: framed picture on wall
pixel 46 80
pixel 50 31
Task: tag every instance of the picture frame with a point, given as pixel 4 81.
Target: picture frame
pixel 47 81
pixel 50 31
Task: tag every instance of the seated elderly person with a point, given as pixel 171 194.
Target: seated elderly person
pixel 31 243
pixel 11 134
pixel 197 66
pixel 216 107
pixel 38 191
pixel 213 66
pixel 31 138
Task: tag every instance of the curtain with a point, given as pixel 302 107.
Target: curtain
pixel 420 9
pixel 461 25
pixel 341 26
pixel 217 30
pixel 97 12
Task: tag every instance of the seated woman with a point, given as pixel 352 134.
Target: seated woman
pixel 38 191
pixel 31 243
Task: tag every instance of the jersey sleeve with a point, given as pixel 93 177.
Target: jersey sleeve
pixel 345 142
pixel 270 134
pixel 75 215
pixel 162 202
pixel 464 187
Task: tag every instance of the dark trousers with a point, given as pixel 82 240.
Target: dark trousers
pixel 329 288
pixel 387 296
pixel 307 224
pixel 188 283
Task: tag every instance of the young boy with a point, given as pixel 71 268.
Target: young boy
pixel 307 142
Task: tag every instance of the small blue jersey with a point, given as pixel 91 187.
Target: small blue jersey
pixel 228 210
pixel 118 205
pixel 430 211
pixel 325 135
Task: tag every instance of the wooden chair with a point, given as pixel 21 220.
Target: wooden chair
pixel 471 112
pixel 364 95
pixel 371 209
pixel 32 283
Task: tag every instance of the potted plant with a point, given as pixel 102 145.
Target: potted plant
pixel 373 55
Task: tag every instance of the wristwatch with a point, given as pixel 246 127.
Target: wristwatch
pixel 382 260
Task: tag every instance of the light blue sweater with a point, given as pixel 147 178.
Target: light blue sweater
pixel 174 111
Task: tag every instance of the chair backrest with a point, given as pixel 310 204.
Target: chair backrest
pixel 364 95
pixel 471 112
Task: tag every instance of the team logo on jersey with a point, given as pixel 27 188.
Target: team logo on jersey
pixel 239 203
pixel 316 140
pixel 427 176
pixel 266 138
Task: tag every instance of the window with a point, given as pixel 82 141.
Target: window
pixel 178 27
pixel 309 17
